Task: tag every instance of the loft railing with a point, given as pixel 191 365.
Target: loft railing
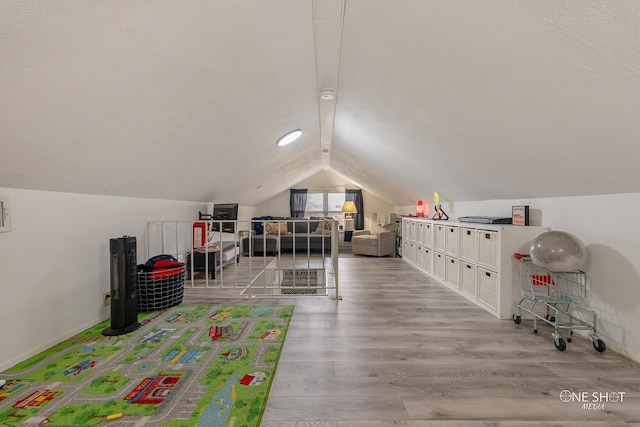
pixel 219 259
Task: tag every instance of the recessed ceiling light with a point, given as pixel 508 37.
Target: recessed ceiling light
pixel 327 94
pixel 289 137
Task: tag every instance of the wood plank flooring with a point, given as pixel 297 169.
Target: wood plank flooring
pixel 401 349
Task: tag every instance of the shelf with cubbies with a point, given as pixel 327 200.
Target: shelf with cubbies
pixel 475 260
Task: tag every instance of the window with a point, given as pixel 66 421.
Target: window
pixel 324 204
pixel 315 204
pixel 335 202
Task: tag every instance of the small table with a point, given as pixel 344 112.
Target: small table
pixel 212 261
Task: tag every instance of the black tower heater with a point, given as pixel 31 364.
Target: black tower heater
pixel 124 311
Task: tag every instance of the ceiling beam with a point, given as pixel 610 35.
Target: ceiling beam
pixel 328 22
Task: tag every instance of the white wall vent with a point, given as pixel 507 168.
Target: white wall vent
pixel 5 219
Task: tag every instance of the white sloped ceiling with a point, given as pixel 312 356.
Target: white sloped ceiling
pixel 478 100
pixel 490 99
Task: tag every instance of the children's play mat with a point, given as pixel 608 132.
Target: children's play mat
pixel 186 366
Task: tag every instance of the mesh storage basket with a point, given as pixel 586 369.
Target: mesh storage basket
pixel 160 289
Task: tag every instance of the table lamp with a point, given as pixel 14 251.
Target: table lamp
pixel 349 208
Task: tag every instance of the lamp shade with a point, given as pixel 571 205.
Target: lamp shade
pixel 349 207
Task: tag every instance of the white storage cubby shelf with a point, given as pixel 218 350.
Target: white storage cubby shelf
pixel 475 260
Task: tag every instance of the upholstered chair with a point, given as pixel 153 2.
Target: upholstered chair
pixel 379 240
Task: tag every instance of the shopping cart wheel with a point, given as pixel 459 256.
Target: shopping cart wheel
pixel 517 319
pixel 599 345
pixel 560 344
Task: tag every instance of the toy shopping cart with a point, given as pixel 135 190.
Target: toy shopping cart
pixel 557 299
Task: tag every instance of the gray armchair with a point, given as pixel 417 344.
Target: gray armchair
pixel 379 240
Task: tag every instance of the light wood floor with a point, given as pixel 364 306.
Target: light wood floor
pixel 401 349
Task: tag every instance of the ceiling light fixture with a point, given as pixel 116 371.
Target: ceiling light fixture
pixel 327 94
pixel 289 137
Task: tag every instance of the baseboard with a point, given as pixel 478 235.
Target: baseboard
pixel 6 364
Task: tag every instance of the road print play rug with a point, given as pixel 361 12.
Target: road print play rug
pixel 189 365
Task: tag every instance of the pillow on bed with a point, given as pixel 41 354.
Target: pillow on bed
pixel 324 227
pixel 275 228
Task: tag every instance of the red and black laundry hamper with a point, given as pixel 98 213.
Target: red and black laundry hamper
pixel 160 283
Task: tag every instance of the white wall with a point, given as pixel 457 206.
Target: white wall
pixel 275 206
pixel 607 225
pixel 54 263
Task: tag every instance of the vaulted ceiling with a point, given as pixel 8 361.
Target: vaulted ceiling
pixel 487 99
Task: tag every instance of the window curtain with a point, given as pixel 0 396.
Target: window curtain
pixel 298 202
pixel 358 217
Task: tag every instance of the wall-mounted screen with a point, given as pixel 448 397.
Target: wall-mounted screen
pixel 222 212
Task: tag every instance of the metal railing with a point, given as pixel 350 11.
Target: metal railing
pixel 277 263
